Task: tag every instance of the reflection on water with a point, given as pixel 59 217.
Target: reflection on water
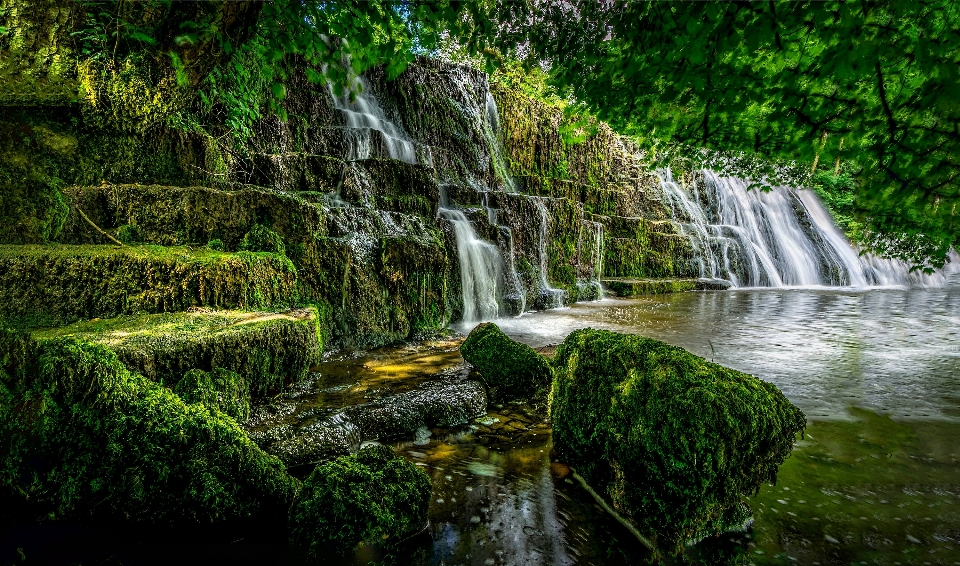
pixel 896 352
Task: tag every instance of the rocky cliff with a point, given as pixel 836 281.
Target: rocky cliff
pixel 363 194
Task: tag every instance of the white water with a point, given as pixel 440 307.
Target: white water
pixel 362 115
pixel 481 269
pixel 550 298
pixel 784 237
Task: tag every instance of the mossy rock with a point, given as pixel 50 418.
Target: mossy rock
pixel 514 369
pixel 221 388
pixel 59 284
pixel 371 497
pixel 267 350
pixel 676 443
pixel 262 239
pixel 84 438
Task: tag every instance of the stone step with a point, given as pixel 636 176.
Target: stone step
pixel 178 216
pixel 268 350
pixel 58 284
pixel 633 287
pixel 623 287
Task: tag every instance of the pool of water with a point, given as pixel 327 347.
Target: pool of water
pixel 876 479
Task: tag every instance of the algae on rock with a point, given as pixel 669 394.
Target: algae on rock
pixel 371 497
pixel 515 370
pixel 85 438
pixel 676 443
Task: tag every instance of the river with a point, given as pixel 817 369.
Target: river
pixel 875 481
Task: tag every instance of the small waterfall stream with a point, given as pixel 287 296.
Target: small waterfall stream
pixel 363 116
pixel 784 237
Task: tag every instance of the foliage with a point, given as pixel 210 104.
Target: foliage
pixel 371 497
pixel 675 442
pixel 872 83
pixel 514 369
pixel 84 437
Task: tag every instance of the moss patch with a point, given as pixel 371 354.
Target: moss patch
pixel 267 350
pixel 676 443
pixel 514 369
pixel 49 285
pixel 221 389
pixel 83 437
pixel 634 287
pixel 371 497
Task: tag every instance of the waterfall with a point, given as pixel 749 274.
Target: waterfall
pixel 362 116
pixel 550 298
pixel 784 237
pixel 481 267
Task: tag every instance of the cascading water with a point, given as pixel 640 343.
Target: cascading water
pixel 362 116
pixel 481 267
pixel 550 298
pixel 777 238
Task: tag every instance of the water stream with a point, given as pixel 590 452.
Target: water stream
pixel 876 479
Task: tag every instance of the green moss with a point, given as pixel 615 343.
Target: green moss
pixel 129 234
pixel 60 284
pixel 267 350
pixel 221 389
pixel 215 245
pixel 32 207
pixel 676 443
pixel 371 497
pixel 262 239
pixel 514 369
pixel 634 287
pixel 85 438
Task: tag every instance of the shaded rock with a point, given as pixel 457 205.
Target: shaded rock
pixel 316 443
pixel 372 497
pixel 432 404
pixel 676 444
pixel 713 284
pixel 514 369
pixel 85 438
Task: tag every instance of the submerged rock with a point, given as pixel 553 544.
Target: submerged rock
pixel 713 284
pixel 676 443
pixel 432 404
pixel 371 497
pixel 85 438
pixel 513 369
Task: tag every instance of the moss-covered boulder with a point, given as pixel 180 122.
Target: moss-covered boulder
pixel 267 350
pixel 515 370
pixel 59 284
pixel 371 497
pixel 81 437
pixel 262 239
pixel 676 443
pixel 221 389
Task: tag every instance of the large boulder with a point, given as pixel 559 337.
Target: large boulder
pixel 371 497
pixel 676 443
pixel 81 437
pixel 512 370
